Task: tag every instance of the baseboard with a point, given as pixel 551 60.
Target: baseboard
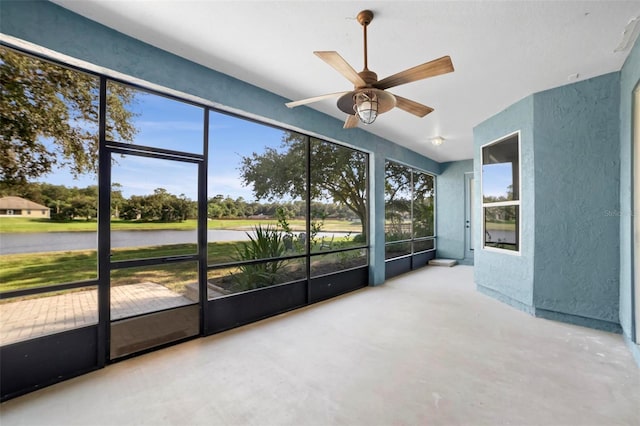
pixel 634 348
pixel 465 261
pixel 505 299
pixel 597 324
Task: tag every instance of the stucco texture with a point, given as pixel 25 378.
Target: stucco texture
pixel 577 159
pixel 568 267
pixel 629 80
pixel 450 209
pixel 508 276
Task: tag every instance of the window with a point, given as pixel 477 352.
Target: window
pixel 62 141
pixel 256 206
pixel 282 206
pixel 338 207
pixel 501 194
pixel 153 120
pixel 49 264
pixel 409 211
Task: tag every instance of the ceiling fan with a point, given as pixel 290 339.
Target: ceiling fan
pixel 368 99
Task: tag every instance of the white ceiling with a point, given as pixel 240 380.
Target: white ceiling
pixel 502 51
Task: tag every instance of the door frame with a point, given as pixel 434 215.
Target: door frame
pixel 635 215
pixel 469 224
pixel 110 150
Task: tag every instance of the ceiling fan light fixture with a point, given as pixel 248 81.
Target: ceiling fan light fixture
pixel 437 141
pixel 366 106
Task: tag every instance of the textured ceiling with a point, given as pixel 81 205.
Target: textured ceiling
pixel 502 51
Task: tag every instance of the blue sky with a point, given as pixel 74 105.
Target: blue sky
pixel 169 124
pixel 496 178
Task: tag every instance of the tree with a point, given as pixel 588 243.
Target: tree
pixel 398 194
pixel 49 117
pixel 423 217
pixel 337 173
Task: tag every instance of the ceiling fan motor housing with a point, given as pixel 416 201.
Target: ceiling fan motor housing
pixel 369 77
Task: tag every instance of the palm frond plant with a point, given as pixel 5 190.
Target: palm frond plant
pixel 264 242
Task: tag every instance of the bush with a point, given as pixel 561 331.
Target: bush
pixel 267 242
pixel 360 238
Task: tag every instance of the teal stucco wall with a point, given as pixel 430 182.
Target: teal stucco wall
pixel 576 150
pixel 569 267
pixel 508 276
pixel 629 81
pixel 450 209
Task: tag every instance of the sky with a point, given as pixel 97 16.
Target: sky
pixel 169 124
pixel 496 178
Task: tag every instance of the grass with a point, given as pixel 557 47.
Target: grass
pixel 22 271
pixel 29 225
pixel 500 226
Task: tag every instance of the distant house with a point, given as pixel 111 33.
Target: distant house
pixel 20 207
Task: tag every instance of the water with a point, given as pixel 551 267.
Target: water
pixel 13 243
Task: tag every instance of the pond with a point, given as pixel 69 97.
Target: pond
pixel 13 243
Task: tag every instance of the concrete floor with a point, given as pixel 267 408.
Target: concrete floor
pixel 425 348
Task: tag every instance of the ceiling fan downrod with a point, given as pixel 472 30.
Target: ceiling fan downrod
pixel 364 18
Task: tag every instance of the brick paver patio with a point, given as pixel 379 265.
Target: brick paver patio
pixel 27 319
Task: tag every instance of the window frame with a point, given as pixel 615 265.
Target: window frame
pixel 413 239
pixel 517 203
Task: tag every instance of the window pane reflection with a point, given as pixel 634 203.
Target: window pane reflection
pixel 501 227
pixel 396 250
pixel 423 245
pixel 500 171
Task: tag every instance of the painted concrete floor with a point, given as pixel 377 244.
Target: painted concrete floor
pixel 423 349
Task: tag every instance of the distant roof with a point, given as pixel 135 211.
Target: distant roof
pixel 18 203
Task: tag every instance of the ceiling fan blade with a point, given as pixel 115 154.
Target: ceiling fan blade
pixel 342 66
pixel 430 69
pixel 314 99
pixel 351 122
pixel 412 107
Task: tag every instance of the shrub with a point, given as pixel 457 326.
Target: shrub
pixel 267 242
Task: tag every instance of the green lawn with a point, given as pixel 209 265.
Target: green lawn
pixel 19 224
pixel 21 271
